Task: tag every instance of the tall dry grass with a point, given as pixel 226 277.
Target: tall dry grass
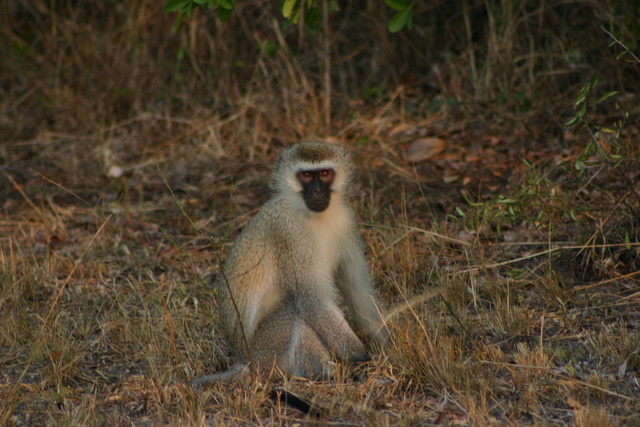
pixel 512 287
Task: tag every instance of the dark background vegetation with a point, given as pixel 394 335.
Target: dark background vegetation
pixel 132 155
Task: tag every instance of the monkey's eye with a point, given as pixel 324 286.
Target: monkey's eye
pixel 327 175
pixel 305 176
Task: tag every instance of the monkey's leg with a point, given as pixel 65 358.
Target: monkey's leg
pixel 336 334
pixel 284 339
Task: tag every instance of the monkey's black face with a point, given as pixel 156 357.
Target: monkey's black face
pixel 316 188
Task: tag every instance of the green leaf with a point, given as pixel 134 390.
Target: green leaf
pixel 181 16
pixel 606 96
pixel 397 5
pixel 174 5
pixel 618 161
pixel 269 47
pixel 287 8
pixel 621 54
pixel 588 150
pixel 224 14
pixel 227 4
pixel 399 20
pixel 586 90
pixel 604 129
pixel 296 16
pixel 572 121
pixel 582 97
pixel 514 273
pixel 312 19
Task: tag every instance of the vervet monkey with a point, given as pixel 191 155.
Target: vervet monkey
pixel 279 285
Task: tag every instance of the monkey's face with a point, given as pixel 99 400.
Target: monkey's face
pixel 309 174
pixel 316 187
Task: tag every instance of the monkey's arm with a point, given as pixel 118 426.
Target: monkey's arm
pixel 247 288
pixel 354 282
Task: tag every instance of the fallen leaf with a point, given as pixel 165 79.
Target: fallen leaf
pixel 405 128
pixel 425 148
pixel 448 179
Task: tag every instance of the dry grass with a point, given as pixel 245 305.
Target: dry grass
pixel 513 288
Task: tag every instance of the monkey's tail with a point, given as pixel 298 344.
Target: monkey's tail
pixel 241 369
pixel 291 399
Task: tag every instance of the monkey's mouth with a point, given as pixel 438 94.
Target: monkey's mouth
pixel 318 204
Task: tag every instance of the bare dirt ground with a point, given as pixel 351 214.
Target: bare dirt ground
pixel 504 245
